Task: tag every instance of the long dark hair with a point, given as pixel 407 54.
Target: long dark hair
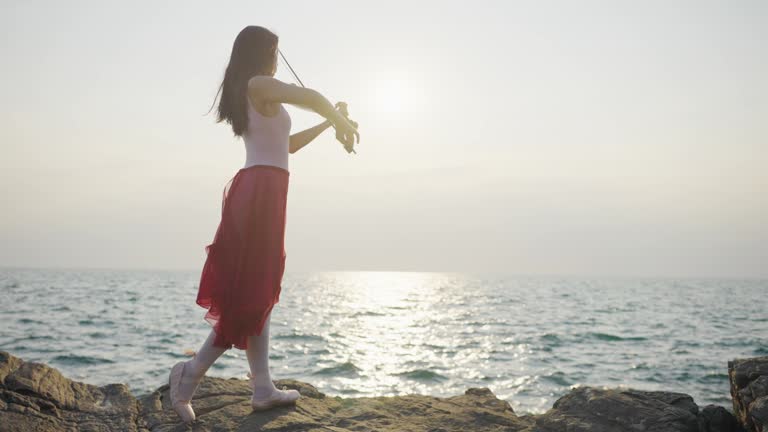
pixel 253 53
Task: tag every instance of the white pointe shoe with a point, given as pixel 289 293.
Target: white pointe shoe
pixel 182 407
pixel 277 398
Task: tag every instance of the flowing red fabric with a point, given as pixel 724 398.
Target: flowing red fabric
pixel 243 271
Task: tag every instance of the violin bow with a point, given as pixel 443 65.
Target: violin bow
pixel 342 106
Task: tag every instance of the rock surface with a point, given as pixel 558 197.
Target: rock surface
pixel 749 392
pixel 36 397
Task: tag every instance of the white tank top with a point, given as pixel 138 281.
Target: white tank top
pixel 267 138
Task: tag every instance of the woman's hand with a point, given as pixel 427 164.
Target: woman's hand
pixel 346 133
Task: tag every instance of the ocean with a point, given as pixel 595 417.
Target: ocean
pixel 527 338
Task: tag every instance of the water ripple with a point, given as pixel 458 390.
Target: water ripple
pixel 530 339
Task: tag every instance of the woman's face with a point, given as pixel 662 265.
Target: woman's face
pixel 274 67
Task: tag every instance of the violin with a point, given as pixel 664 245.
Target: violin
pixel 340 106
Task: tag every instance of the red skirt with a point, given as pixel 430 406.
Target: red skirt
pixel 241 278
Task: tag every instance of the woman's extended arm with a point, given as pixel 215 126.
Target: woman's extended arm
pixel 264 88
pixel 301 139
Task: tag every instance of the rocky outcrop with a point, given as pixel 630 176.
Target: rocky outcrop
pixel 611 410
pixel 749 392
pixel 36 397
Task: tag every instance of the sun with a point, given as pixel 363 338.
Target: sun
pixel 396 96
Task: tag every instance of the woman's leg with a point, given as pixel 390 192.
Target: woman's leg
pixel 195 368
pixel 258 361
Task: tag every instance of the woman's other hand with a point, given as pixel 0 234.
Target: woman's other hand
pixel 341 107
pixel 346 133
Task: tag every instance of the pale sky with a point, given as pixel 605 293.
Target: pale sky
pixel 539 137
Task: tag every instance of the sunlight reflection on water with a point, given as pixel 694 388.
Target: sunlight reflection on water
pixel 528 339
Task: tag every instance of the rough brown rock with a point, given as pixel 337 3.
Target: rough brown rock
pixel 224 405
pixel 749 392
pixel 609 410
pixel 35 397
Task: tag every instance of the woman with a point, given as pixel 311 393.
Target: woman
pixel 240 281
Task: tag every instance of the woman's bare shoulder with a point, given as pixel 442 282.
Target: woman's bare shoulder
pixel 260 104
